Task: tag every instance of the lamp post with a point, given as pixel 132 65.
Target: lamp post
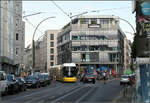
pixel 128 23
pixel 33 49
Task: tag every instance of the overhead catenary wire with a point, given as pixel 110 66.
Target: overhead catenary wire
pixel 60 8
pixel 23 17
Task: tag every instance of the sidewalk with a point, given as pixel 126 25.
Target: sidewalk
pixel 125 96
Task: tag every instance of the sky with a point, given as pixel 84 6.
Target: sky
pixel 123 9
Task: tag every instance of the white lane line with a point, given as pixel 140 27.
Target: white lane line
pixel 82 97
pixel 54 101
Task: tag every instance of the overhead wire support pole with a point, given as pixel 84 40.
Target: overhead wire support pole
pixel 33 50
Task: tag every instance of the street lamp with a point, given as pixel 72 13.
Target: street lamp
pixel 129 24
pixel 33 49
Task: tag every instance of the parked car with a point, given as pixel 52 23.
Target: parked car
pixel 124 80
pixel 32 81
pixel 47 78
pixel 42 80
pixel 13 85
pixel 22 83
pixel 89 78
pixel 3 83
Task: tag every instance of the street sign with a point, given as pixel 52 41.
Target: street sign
pixel 146 28
pixel 145 7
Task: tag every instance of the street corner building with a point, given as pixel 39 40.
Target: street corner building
pixel 95 40
pixel 11 35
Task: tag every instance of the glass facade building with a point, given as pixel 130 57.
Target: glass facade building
pixel 92 40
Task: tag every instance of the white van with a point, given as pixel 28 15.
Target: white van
pixel 3 83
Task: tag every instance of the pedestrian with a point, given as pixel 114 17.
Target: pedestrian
pixel 104 76
pixel 54 78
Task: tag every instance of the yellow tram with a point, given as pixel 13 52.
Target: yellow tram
pixel 65 73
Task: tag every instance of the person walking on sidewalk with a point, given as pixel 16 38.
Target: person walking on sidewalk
pixel 104 76
pixel 54 78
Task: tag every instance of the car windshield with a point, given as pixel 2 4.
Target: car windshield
pixel 46 76
pixel 19 79
pixel 124 76
pixel 89 76
pixel 41 76
pixel 30 78
pixel 10 78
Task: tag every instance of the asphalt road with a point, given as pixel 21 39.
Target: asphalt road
pixel 69 93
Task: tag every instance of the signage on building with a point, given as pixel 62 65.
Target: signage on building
pixel 147 29
pixel 145 7
pixel 94 25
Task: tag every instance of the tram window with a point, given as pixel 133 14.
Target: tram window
pixel 65 71
pixel 73 71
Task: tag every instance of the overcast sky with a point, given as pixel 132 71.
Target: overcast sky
pixel 123 9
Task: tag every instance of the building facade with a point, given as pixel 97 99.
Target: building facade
pixel 11 49
pixel 46 51
pixel 19 34
pixel 92 40
pixel 27 59
pixel 127 53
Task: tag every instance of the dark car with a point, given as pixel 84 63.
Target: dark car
pixel 32 81
pixel 22 84
pixel 47 79
pixel 89 78
pixel 13 84
pixel 42 80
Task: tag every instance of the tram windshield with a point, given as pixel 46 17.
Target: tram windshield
pixel 69 71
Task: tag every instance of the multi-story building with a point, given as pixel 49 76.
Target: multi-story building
pixel 9 11
pixel 92 40
pixel 127 53
pixel 19 33
pixel 46 51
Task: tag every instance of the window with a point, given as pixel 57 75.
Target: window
pixel 76 37
pixel 106 21
pixel 93 21
pixel 52 57
pixel 17 36
pixel 52 36
pixel 17 49
pixel 52 63
pixel 84 21
pixel 52 51
pixel 52 44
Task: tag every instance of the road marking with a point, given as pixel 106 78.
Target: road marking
pixel 54 101
pixel 82 97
